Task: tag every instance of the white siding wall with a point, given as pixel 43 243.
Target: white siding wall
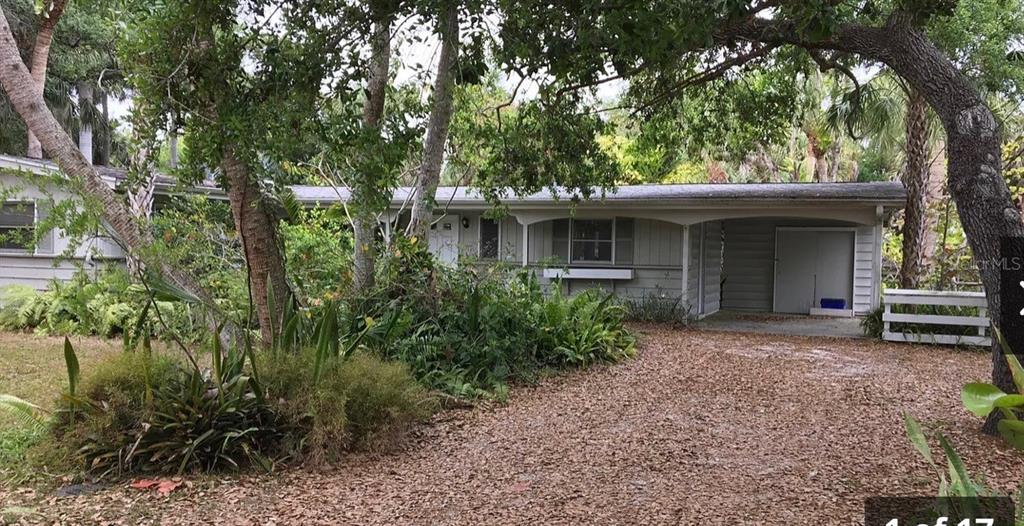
pixel 712 266
pixel 657 255
pixel 41 266
pixel 693 275
pixel 864 295
pixel 749 263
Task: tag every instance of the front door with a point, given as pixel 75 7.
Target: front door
pixel 444 239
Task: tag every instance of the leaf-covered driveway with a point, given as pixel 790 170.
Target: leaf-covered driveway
pixel 702 427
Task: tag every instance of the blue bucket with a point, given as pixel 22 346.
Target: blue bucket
pixel 833 303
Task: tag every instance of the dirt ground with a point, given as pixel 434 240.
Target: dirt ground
pixel 702 428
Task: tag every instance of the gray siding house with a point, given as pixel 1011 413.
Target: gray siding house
pixel 787 248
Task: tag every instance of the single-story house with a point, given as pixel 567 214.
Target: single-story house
pixel 786 248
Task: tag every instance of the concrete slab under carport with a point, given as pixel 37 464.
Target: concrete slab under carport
pixel 784 324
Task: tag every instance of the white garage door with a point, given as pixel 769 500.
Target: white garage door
pixel 811 265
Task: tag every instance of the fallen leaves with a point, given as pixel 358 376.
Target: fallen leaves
pixel 712 427
pixel 163 487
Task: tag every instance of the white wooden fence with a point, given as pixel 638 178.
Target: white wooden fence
pixel 936 297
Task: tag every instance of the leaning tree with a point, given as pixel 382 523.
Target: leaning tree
pixel 28 102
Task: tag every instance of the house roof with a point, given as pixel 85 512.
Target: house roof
pixel 883 193
pixel 110 173
pixel 889 194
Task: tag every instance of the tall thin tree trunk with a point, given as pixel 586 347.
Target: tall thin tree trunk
pixel 48 19
pixel 820 166
pixel 20 87
pixel 86 112
pixel 915 179
pixel 107 139
pixel 172 148
pixel 258 232
pixel 935 193
pixel 364 221
pixel 437 127
pixel 835 157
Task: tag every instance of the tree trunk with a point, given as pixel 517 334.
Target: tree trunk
pixel 935 193
pixel 86 111
pixel 437 127
pixel 915 179
pixel 258 232
pixel 983 200
pixel 172 149
pixel 40 57
pixel 835 157
pixel 820 166
pixel 364 220
pixel 28 102
pixel 106 138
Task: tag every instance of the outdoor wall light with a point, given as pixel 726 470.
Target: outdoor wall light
pixel 465 222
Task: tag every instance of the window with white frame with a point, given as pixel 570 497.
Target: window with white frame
pixel 490 238
pixel 17 225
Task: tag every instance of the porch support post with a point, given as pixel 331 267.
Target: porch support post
pixel 876 259
pixel 526 245
pixel 684 298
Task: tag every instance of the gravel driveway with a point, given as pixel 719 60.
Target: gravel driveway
pixel 702 428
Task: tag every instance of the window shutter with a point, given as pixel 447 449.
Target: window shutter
pixel 44 243
pixel 623 241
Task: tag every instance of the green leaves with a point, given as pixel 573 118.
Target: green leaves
pixel 1012 431
pixel 980 398
pixel 983 398
pixel 71 361
pixel 30 414
pixel 960 481
pixel 917 437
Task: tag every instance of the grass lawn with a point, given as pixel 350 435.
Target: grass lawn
pixel 32 368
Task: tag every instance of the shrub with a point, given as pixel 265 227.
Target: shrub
pixel 383 400
pixel 872 324
pixel 469 333
pixel 318 251
pixel 13 301
pixel 141 413
pixel 107 305
pixel 582 330
pixel 653 307
pixel 361 402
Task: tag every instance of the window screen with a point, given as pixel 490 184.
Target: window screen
pixel 489 238
pixel 592 240
pixel 17 225
pixel 560 240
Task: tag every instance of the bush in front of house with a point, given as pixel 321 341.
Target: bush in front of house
pixel 145 413
pixel 361 402
pixel 471 332
pixel 106 305
pixel 655 307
